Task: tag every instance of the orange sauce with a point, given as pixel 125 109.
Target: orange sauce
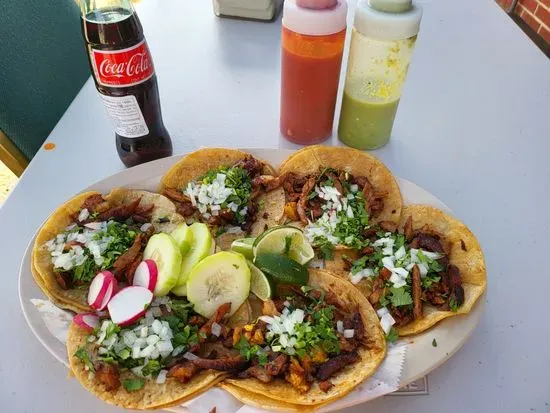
pixel 309 85
pixel 49 146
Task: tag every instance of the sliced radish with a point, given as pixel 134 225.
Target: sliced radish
pixel 129 305
pixel 146 275
pixel 87 321
pixel 101 290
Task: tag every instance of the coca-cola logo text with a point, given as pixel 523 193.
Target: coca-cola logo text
pixel 123 67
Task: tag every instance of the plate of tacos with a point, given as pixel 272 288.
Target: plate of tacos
pixel 280 277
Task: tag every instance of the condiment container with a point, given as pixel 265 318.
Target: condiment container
pixel 312 47
pixel 382 43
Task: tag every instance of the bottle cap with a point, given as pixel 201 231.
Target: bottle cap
pixel 385 25
pixel 391 6
pixel 316 4
pixel 315 22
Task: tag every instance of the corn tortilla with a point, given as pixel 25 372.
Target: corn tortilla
pixel 196 164
pixel 370 356
pixel 312 158
pixel 43 272
pixel 151 396
pixel 469 260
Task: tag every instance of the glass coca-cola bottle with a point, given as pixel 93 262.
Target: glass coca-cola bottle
pixel 125 79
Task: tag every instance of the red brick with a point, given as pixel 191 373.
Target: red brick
pixel 505 4
pixel 527 18
pixel 543 15
pixel 545 34
pixel 546 3
pixel 530 5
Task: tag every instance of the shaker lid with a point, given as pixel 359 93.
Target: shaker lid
pixel 373 18
pixel 315 22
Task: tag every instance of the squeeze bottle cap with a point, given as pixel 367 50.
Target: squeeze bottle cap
pixel 391 6
pixel 386 25
pixel 315 22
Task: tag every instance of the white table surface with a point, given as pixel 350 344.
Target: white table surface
pixel 472 128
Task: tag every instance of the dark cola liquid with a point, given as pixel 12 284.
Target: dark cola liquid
pixel 114 29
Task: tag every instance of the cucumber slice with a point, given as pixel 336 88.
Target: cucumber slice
pixel 282 269
pixel 162 249
pixel 220 278
pixel 201 247
pixel 183 236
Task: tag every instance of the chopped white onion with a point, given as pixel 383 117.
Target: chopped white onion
pixel 216 329
pixel 340 326
pixel 145 226
pixel 161 378
pixel 190 356
pixel 386 322
pixel 84 214
pixel 349 333
pixel 93 225
pixel 381 311
pixel 317 263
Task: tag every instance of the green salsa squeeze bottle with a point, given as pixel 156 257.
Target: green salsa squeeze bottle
pixel 382 44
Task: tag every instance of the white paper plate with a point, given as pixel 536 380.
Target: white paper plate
pixel 422 357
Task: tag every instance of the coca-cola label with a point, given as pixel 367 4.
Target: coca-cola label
pixel 124 67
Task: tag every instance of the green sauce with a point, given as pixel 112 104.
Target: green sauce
pixel 366 124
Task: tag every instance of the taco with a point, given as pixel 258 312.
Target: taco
pixel 428 268
pixel 228 189
pixel 91 233
pixel 148 364
pixel 262 402
pixel 337 194
pixel 313 345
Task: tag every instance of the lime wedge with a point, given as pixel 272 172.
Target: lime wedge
pixel 260 284
pixel 282 269
pixel 243 246
pixel 284 240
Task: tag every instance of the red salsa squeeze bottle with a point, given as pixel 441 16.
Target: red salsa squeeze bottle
pixel 313 37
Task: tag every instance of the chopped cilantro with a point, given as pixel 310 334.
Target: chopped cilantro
pixel 350 229
pixel 400 297
pixel 392 335
pixel 124 354
pixel 429 279
pixel 181 309
pixel 112 328
pixel 434 343
pixel 359 264
pixel 187 337
pixel 121 238
pixel 326 249
pixel 249 352
pixel 236 178
pixel 83 355
pixel 133 384
pixel 152 368
pixel 384 301
pixel 453 304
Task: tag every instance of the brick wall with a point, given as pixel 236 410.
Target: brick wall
pixel 535 13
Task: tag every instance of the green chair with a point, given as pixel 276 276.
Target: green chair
pixel 43 65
